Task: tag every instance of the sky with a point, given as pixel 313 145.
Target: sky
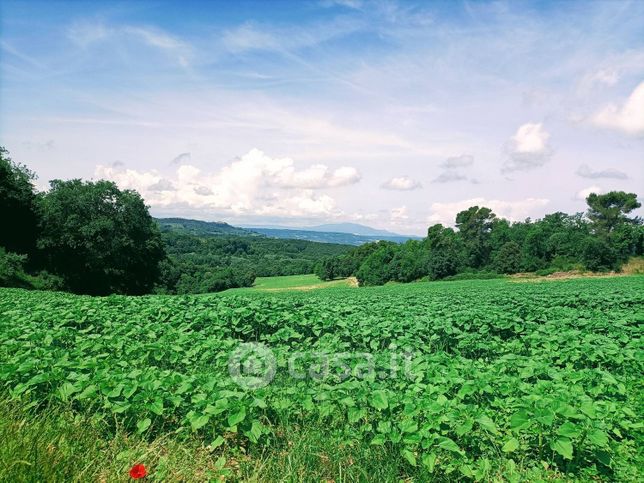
pixel 392 114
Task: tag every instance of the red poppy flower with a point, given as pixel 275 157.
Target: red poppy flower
pixel 138 471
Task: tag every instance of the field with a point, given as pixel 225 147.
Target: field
pixel 297 282
pixel 455 381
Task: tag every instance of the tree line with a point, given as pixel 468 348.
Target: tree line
pixel 483 245
pixel 93 238
pixel 199 262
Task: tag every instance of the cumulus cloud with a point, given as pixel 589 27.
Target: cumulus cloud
pixel 528 148
pixel 398 215
pixel 254 184
pixel 402 183
pixel 517 210
pixel 586 172
pixel 583 194
pixel 628 118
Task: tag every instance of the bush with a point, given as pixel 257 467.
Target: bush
pixel 12 271
pixel 598 255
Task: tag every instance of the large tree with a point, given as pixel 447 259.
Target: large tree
pixel 18 215
pixel 610 210
pixel 475 225
pixel 100 239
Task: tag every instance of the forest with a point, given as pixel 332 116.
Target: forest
pixel 484 245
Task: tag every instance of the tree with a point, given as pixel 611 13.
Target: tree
pixel 508 258
pixel 375 269
pixel 18 214
pixel 608 211
pixel 597 254
pixel 445 252
pixel 100 239
pixel 475 225
pixel 409 262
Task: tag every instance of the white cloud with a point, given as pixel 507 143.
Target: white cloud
pixel 398 215
pixel 518 210
pixel 628 118
pixel 585 171
pixel 402 183
pixel 251 36
pixel 254 184
pixel 354 4
pixel 528 148
pixel 583 194
pixel 85 34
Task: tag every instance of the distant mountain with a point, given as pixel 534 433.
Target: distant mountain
pixel 353 229
pixel 198 227
pixel 328 236
pixel 340 233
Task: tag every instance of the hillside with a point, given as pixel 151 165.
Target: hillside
pixel 338 233
pixel 210 257
pixel 198 227
pixel 329 236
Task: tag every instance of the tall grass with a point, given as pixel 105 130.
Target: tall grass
pixel 55 444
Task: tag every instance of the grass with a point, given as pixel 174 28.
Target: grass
pixel 297 282
pixel 57 444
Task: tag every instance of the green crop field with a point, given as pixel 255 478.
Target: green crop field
pixel 454 381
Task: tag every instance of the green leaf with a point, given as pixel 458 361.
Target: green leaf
pixel 588 408
pixel 569 430
pixel 598 437
pixel 487 424
pixel 143 425
pixel 356 414
pixel 408 426
pixel 66 390
pixel 511 445
pixel 156 407
pixel 449 445
pixel 563 446
pixel 378 440
pixel 198 422
pixel 466 470
pixel 255 431
pixel 379 400
pixel 409 456
pixel 520 420
pixel 87 392
pixel 236 418
pixel 429 460
pixel 217 442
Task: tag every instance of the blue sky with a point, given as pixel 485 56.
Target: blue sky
pixel 388 113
